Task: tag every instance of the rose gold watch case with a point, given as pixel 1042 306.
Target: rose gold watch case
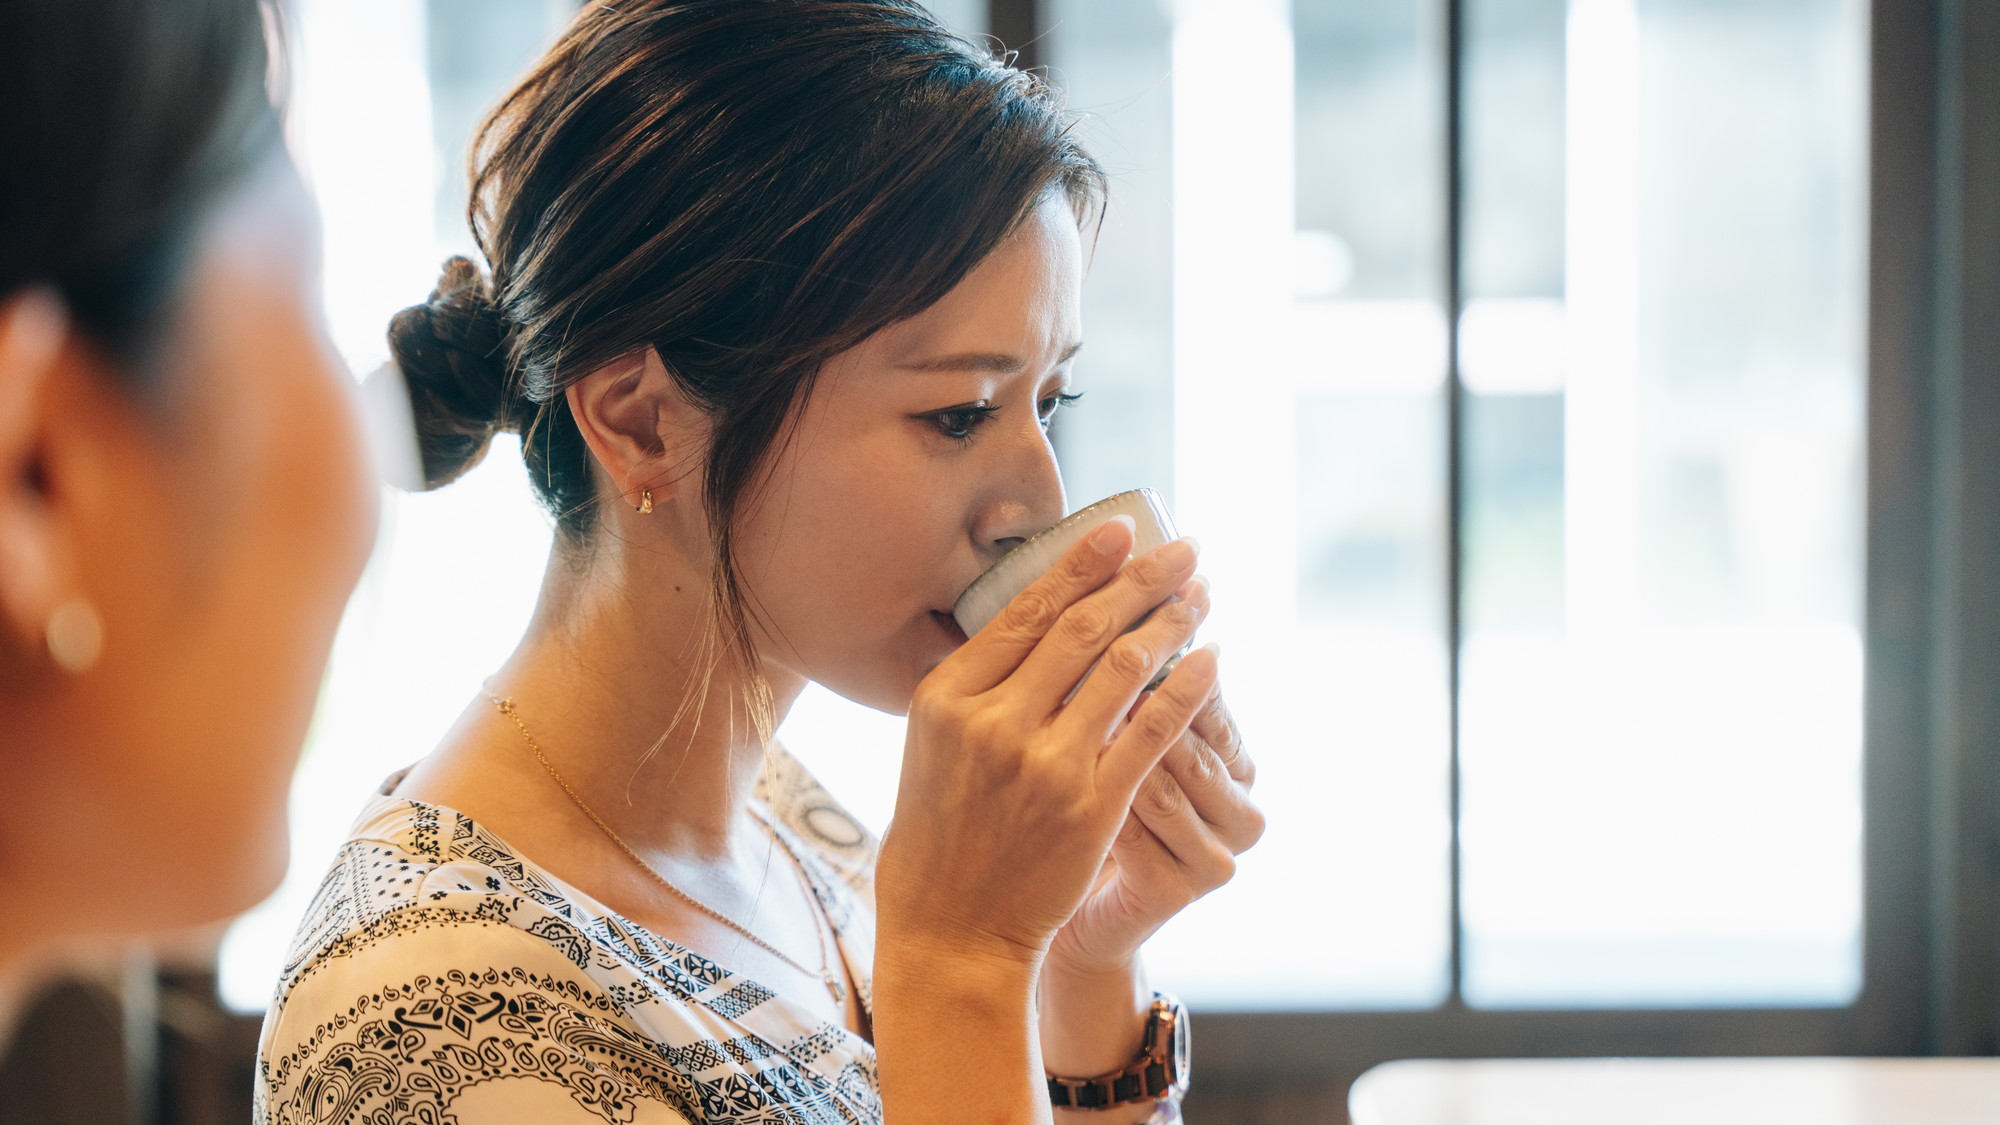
pixel 1169 1022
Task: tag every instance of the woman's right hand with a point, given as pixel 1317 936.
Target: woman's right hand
pixel 1011 798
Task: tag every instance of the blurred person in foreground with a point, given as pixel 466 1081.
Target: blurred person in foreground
pixel 782 296
pixel 184 506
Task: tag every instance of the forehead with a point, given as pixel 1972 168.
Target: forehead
pixel 1025 294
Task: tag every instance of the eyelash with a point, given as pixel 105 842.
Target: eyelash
pixel 977 414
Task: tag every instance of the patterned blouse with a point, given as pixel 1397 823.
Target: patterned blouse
pixel 441 977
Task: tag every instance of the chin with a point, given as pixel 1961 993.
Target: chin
pixel 889 693
pixel 238 872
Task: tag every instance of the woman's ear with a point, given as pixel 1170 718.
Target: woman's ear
pixel 34 552
pixel 640 425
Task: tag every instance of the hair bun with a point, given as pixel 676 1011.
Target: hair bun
pixel 451 350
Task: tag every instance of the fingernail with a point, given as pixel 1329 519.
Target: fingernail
pixel 1179 553
pixel 1106 540
pixel 1194 585
pixel 1214 650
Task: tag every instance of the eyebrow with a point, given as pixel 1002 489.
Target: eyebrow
pixel 983 361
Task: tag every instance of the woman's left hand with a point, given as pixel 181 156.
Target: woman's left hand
pixel 1190 820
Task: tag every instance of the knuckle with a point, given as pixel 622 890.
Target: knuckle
pixel 1232 742
pixel 1130 832
pixel 1158 724
pixel 1159 796
pixel 1175 621
pixel 1078 818
pixel 1129 659
pixel 932 699
pixel 1031 773
pixel 1233 737
pixel 987 726
pixel 1202 767
pixel 1088 623
pixel 1015 634
pixel 1220 870
pixel 1215 717
pixel 1242 767
pixel 1034 609
pixel 1253 828
pixel 1176 693
pixel 1151 570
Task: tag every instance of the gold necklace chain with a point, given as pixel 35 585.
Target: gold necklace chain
pixel 834 986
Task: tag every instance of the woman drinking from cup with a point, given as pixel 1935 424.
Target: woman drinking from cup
pixel 781 297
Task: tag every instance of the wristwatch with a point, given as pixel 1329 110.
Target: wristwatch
pixel 1160 1073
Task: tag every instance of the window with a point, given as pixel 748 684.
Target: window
pixel 1661 665
pixel 1630 512
pixel 1657 243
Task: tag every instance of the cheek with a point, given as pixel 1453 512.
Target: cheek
pixel 292 515
pixel 862 545
pixel 303 529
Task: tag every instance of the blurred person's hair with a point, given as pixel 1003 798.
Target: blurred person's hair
pixel 125 122
pixel 748 187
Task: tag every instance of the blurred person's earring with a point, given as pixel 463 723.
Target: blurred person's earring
pixel 75 636
pixel 646 502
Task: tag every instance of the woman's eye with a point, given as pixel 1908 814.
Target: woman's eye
pixel 1048 407
pixel 959 421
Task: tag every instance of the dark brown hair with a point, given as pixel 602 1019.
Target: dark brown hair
pixel 748 187
pixel 125 122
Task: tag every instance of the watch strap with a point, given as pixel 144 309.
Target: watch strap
pixel 1142 1081
pixel 1152 1076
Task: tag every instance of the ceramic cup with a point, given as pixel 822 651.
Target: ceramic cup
pixel 991 591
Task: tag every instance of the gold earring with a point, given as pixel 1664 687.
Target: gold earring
pixel 75 636
pixel 646 502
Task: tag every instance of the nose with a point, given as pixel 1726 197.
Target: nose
pixel 1026 497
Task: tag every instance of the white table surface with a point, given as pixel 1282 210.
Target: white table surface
pixel 1805 1091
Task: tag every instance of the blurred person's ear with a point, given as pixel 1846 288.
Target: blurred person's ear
pixel 37 562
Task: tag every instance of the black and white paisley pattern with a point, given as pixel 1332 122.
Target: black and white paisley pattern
pixel 439 977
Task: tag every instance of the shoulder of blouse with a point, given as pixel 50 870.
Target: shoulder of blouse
pixel 818 819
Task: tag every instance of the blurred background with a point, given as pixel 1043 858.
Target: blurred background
pixel 1562 426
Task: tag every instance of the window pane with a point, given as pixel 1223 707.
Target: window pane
pixel 1369 822
pixel 1312 473
pixel 1661 709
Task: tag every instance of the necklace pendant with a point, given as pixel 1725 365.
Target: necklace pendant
pixel 833 986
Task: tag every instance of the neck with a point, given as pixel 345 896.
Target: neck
pixel 618 682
